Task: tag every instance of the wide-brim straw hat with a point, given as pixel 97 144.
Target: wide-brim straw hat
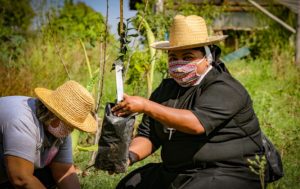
pixel 186 33
pixel 72 104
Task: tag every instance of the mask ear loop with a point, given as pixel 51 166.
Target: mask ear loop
pixel 208 55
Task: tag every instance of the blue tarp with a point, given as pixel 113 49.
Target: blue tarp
pixel 238 54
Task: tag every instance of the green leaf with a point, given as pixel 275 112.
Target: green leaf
pixel 134 35
pixel 88 148
pixel 75 138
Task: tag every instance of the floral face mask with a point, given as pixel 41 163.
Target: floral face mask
pixel 185 72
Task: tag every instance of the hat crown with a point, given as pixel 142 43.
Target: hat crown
pixel 74 100
pixel 188 30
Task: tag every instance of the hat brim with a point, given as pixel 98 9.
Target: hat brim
pixel 89 124
pixel 165 45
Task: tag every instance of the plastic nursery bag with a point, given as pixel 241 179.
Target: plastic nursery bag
pixel 114 142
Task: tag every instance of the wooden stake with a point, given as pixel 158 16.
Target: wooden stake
pixel 121 17
pixel 297 58
pixel 100 84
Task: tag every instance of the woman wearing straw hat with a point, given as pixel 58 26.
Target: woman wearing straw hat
pixel 35 146
pixel 197 117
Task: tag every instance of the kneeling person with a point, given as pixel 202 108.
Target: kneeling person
pixel 35 146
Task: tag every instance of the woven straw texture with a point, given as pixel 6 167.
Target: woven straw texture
pixel 71 103
pixel 188 32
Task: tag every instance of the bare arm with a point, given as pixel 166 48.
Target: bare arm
pixel 20 173
pixel 180 119
pixel 141 146
pixel 65 175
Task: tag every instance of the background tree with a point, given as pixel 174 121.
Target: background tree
pixel 15 19
pixel 75 21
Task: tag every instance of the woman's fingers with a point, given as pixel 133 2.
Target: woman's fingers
pixel 121 109
pixel 126 106
pixel 125 95
pixel 119 106
pixel 124 113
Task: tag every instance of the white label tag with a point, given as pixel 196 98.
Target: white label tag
pixel 119 80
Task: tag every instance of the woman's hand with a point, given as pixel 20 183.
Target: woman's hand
pixel 129 105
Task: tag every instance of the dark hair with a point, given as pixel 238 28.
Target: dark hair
pixel 201 49
pixel 216 53
pixel 42 112
pixel 214 49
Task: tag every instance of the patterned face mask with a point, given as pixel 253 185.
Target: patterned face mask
pixel 185 72
pixel 60 131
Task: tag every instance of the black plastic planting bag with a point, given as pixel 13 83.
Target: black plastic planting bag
pixel 114 142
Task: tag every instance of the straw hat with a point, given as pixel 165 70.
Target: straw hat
pixel 71 103
pixel 187 32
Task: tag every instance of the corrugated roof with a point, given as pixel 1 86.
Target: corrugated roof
pixel 228 2
pixel 238 21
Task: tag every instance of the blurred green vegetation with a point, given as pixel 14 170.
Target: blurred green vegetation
pixel 275 91
pixel 35 57
pixel 73 22
pixel 15 19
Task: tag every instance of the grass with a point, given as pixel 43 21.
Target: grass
pixel 93 179
pixel 276 100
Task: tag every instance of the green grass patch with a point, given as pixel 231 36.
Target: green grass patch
pixel 276 98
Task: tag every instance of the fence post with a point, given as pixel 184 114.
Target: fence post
pixel 297 58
